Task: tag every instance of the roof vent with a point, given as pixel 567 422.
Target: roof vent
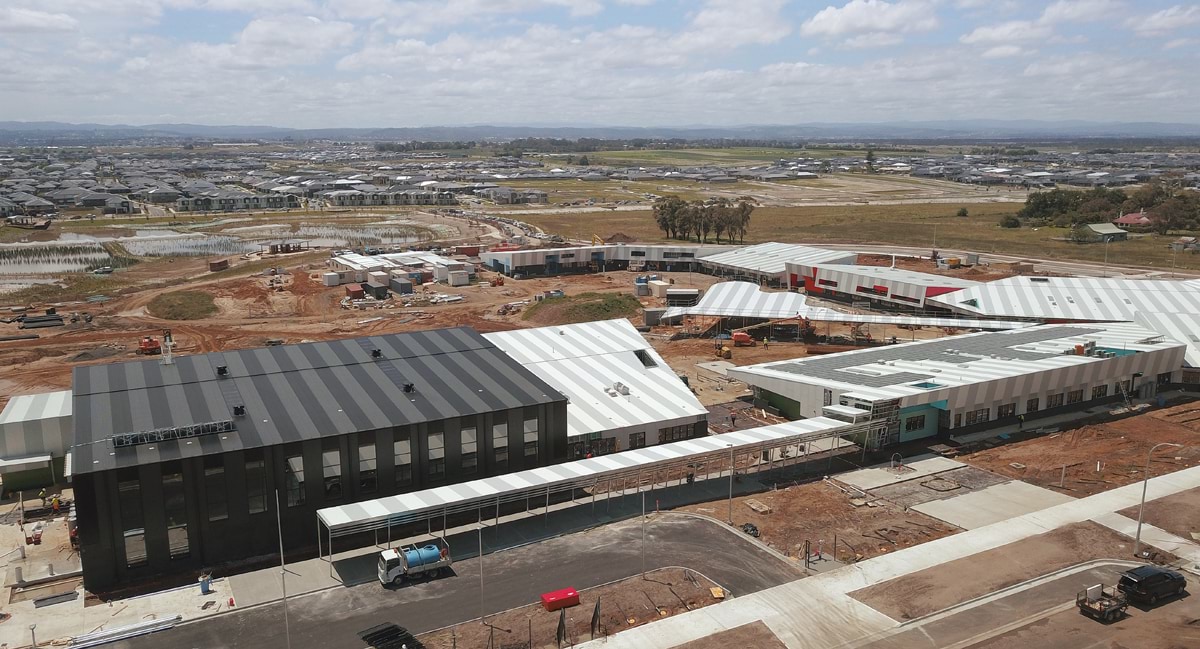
pixel 376 353
pixel 239 411
pixel 409 387
pixel 222 370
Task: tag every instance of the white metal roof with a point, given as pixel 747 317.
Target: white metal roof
pixel 1074 298
pixel 1180 327
pixel 355 261
pixel 584 361
pixel 930 367
pixel 900 275
pixel 746 300
pixel 32 407
pixel 409 506
pixel 769 258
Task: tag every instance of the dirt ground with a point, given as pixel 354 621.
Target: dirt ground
pixel 934 589
pixel 819 511
pixel 623 605
pixel 1119 446
pixel 1171 625
pixel 1178 514
pixel 755 635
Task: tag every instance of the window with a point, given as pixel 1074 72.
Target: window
pixel 437 454
pixel 673 433
pixel 293 476
pixel 1075 396
pixel 368 476
pixel 1054 400
pixel 637 253
pixel 1123 387
pixel 470 457
pixel 214 488
pixel 1164 378
pixel 914 423
pixel 957 419
pixel 256 486
pixel 670 255
pixel 531 438
pixel 1031 405
pixel 979 416
pixel 331 470
pixel 402 449
pixel 827 282
pixel 129 493
pixel 1006 410
pixel 645 357
pixel 637 440
pixel 175 509
pixel 500 444
pixel 1100 391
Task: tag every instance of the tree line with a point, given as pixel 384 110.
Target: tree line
pixel 1166 203
pixel 680 219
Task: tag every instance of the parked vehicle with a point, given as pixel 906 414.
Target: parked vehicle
pixel 414 562
pixel 1101 602
pixel 1151 583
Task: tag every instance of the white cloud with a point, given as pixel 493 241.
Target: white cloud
pixel 1005 51
pixel 21 20
pixel 1080 11
pixel 868 16
pixel 1180 42
pixel 1166 20
pixel 1007 32
pixel 874 39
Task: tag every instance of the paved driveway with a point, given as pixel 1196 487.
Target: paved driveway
pixel 512 578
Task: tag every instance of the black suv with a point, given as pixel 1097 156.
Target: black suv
pixel 1151 583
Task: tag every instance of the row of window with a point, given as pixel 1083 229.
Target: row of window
pixel 1052 401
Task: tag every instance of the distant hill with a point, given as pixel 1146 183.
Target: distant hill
pixel 978 129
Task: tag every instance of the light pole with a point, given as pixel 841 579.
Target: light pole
pixel 643 532
pixel 731 470
pixel 1107 239
pixel 283 571
pixel 1137 540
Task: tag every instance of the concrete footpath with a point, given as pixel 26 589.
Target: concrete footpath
pixel 818 611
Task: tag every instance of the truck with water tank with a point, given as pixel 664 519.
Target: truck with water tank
pixel 414 562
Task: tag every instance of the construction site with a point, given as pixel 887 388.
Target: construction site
pixel 897 478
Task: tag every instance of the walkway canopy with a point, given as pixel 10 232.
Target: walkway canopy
pixel 513 487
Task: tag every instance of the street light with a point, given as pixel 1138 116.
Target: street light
pixel 731 469
pixel 1137 540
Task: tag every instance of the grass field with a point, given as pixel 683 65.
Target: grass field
pixel 730 156
pixel 585 307
pixel 182 305
pixel 923 225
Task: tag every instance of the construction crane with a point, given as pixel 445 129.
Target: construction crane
pixel 806 325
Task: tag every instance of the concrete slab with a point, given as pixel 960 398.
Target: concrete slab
pixel 716 367
pixel 1152 536
pixel 992 504
pixel 882 474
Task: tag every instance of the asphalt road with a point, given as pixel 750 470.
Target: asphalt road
pixel 512 578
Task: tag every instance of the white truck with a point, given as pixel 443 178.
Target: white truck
pixel 414 562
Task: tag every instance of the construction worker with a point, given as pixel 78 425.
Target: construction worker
pixel 732 419
pixel 54 504
pixel 42 495
pixel 764 342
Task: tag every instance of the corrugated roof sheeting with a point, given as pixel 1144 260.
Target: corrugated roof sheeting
pixel 1074 298
pixel 31 407
pixel 411 505
pixel 584 360
pixel 1180 327
pixel 746 300
pixel 770 258
pixel 893 371
pixel 294 392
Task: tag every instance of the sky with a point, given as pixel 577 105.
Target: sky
pixel 396 63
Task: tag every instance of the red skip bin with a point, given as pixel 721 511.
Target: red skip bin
pixel 556 599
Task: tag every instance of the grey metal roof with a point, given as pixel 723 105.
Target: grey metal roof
pixel 839 367
pixel 293 393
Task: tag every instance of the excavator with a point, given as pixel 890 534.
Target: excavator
pixel 806 328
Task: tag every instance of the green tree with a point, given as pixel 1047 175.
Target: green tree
pixel 1010 221
pixel 870 160
pixel 962 211
pixel 583 161
pixel 669 214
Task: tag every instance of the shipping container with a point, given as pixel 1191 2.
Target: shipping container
pixel 354 291
pixel 331 279
pixel 401 286
pixel 219 265
pixel 376 290
pixel 458 278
